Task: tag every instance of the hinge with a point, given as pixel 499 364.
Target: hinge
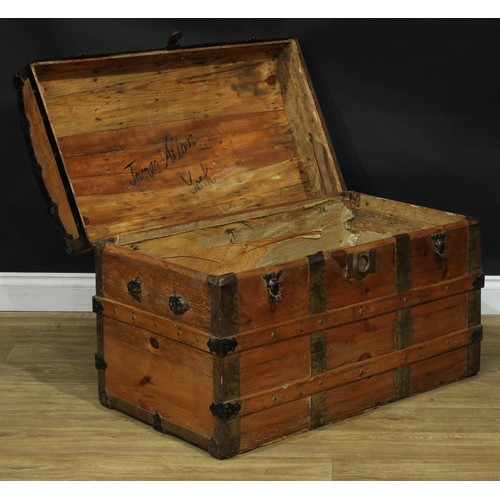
pixel 225 410
pixel 67 241
pixel 97 306
pixel 222 347
pixel 476 335
pixel 173 39
pixel 478 281
pixel 100 363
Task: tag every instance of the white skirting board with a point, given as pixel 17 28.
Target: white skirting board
pixel 73 292
pixel 490 295
pixel 46 291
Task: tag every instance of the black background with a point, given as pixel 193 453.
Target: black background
pixel 412 106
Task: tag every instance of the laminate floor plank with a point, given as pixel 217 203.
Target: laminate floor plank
pixel 52 426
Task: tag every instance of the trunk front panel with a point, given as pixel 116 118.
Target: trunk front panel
pixel 159 376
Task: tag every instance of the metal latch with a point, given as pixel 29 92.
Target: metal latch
pixel 134 288
pixel 178 305
pixel 440 245
pixel 361 264
pixel 273 286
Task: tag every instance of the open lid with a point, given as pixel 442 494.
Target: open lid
pixel 139 141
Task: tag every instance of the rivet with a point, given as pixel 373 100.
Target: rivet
pixel 133 316
pixel 179 333
pixel 114 310
pixel 197 339
pixel 361 372
pixel 447 288
pixel 321 321
pixel 274 335
pixel 405 299
pixel 405 357
pixel 274 399
pixel 361 311
pixel 320 382
pixel 447 342
pixel 155 323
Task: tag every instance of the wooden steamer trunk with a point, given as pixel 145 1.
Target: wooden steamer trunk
pixel 242 293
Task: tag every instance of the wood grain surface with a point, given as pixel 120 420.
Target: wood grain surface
pixel 156 139
pixel 52 426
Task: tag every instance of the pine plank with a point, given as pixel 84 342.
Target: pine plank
pixel 360 340
pixel 121 99
pixel 47 167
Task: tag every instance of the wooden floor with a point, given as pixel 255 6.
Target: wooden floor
pixel 52 426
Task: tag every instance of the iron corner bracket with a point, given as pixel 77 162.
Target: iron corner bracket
pixel 222 347
pixel 97 305
pixel 105 400
pixel 476 334
pixel 225 411
pixel 478 281
pixel 100 363
pixel 158 423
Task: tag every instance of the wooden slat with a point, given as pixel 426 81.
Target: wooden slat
pixel 157 325
pixel 360 340
pixel 353 398
pixel 47 167
pixel 127 138
pixel 160 96
pixel 436 318
pixel 272 365
pixel 395 210
pixel 439 370
pixel 272 424
pixel 55 71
